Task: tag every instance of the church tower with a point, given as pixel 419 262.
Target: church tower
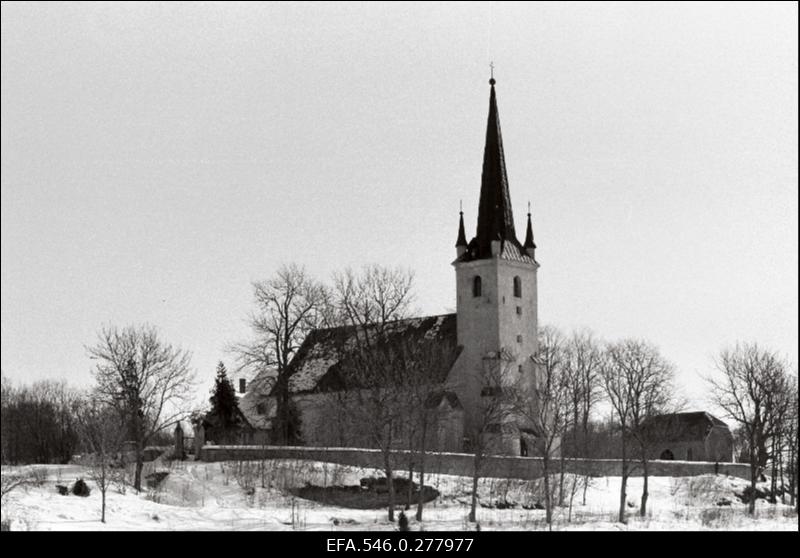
pixel 495 287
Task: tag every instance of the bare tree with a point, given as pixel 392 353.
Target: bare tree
pixel 616 389
pixel 289 306
pixel 102 435
pixel 375 369
pixel 422 362
pixel 544 406
pixel 744 389
pixel 147 380
pixel 374 297
pixel 650 379
pixel 583 357
pixel 791 438
pixel 495 410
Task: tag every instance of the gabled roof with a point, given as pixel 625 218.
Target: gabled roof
pixel 317 366
pixel 682 426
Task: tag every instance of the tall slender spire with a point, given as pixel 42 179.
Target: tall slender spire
pixel 462 237
pixel 495 219
pixel 529 243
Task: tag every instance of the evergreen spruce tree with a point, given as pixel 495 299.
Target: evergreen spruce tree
pixel 224 403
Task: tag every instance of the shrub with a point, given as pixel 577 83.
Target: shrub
pixel 80 488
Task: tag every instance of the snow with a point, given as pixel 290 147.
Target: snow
pixel 207 496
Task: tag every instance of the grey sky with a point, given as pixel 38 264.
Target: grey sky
pixel 157 158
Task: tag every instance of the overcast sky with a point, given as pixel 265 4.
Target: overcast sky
pixel 158 158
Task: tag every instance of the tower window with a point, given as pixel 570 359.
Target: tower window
pixel 517 287
pixel 476 286
pixel 519 338
pixel 519 310
pixel 242 385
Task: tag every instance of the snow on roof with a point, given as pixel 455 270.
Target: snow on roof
pixel 323 349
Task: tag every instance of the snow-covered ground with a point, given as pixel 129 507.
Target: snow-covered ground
pixel 210 496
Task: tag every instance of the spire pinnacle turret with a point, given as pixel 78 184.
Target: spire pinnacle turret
pixel 462 237
pixel 529 245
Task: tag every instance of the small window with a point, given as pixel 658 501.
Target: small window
pixel 520 369
pixel 517 287
pixel 242 385
pixel 519 338
pixel 519 310
pixel 476 286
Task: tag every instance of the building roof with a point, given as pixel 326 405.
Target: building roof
pixel 320 360
pixel 683 426
pixel 495 218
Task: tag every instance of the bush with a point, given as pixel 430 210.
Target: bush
pixel 80 488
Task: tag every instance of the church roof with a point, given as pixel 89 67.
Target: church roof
pixel 682 426
pixel 318 364
pixel 495 218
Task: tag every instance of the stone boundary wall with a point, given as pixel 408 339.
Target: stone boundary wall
pixel 462 463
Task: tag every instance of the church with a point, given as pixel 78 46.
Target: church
pixel 493 333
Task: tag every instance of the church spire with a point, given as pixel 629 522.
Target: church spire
pixel 462 237
pixel 495 220
pixel 529 245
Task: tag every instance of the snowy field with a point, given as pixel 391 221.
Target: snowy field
pixel 249 496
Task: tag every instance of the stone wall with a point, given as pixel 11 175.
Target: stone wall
pixel 462 464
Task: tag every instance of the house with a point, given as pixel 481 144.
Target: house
pixel 694 436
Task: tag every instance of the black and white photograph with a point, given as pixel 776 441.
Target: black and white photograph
pixel 277 266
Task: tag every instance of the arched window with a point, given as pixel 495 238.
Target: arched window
pixel 476 286
pixel 517 287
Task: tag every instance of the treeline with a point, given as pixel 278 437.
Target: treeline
pixel 38 422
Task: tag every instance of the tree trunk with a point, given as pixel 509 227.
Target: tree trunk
pixel 475 476
pixel 137 477
pixel 548 500
pixel 561 472
pixel 773 475
pixel 103 487
pixel 645 493
pixel 389 477
pixel 780 475
pixel 585 455
pixel 751 506
pixel 410 487
pixel 623 485
pixel 572 498
pixel 420 499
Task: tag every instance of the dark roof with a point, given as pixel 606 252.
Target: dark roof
pixel 495 218
pixel 529 243
pixel 682 426
pixel 462 237
pixel 320 363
